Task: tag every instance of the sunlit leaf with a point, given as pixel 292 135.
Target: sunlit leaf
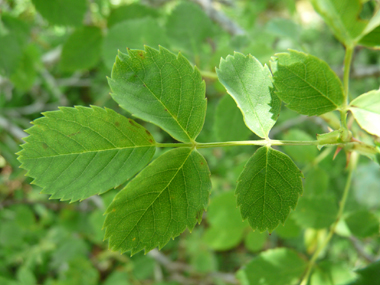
pixel 160 87
pixel 366 110
pixel 305 83
pixel 250 85
pixel 77 152
pixel 268 188
pixel 160 202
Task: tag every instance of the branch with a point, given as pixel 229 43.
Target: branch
pixel 14 130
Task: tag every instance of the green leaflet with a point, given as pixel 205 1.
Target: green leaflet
pixel 159 87
pixel 82 49
pixel 229 123
pixel 342 17
pixel 268 188
pixel 278 266
pixel 132 34
pixel 305 83
pixel 363 224
pixel 131 11
pixel 160 202
pixel 368 275
pixel 58 12
pixel 372 39
pixel 77 152
pixel 188 27
pixel 366 110
pixel 316 211
pixel 250 85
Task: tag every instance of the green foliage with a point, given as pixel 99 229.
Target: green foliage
pixel 250 85
pixel 161 88
pixel 82 49
pixel 366 110
pixel 58 12
pixel 71 153
pixel 58 53
pixel 165 198
pixel 268 188
pixel 275 267
pixel 306 84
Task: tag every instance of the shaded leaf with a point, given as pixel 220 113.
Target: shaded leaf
pixel 368 275
pixel 274 267
pixel 316 212
pixel 305 83
pixel 131 11
pixel 229 122
pixel 363 224
pixel 188 27
pixel 268 188
pixel 82 49
pixel 160 202
pixel 159 87
pixel 250 85
pixel 366 110
pixel 58 12
pixel 132 34
pixel 255 241
pixel 77 152
pixel 290 229
pixel 372 39
pixel 342 17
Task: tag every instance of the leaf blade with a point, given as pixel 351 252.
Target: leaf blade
pixel 73 153
pixel 176 103
pixel 164 213
pixel 264 171
pixel 314 94
pixel 366 110
pixel 250 85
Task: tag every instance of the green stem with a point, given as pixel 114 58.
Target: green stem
pixel 342 203
pixel 241 143
pixel 346 73
pixel 209 74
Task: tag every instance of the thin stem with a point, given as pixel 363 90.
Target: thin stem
pixel 342 203
pixel 346 73
pixel 209 74
pixel 247 143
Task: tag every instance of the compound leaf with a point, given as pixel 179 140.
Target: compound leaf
pixel 78 152
pixel 275 267
pixel 366 110
pixel 250 85
pixel 268 188
pixel 169 195
pixel 82 49
pixel 306 84
pixel 162 88
pixel 58 12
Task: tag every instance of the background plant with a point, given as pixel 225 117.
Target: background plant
pixel 60 246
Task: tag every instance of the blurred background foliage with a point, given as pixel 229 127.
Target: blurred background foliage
pixel 59 53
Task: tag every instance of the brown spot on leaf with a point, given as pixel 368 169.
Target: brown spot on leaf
pixel 74 134
pixel 148 132
pixel 132 122
pixel 166 110
pixel 144 85
pixel 44 145
pixel 117 124
pixel 141 54
pixel 113 210
pixel 151 141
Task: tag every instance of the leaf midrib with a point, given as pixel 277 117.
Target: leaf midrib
pixel 84 152
pixel 154 95
pixel 304 80
pixel 164 188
